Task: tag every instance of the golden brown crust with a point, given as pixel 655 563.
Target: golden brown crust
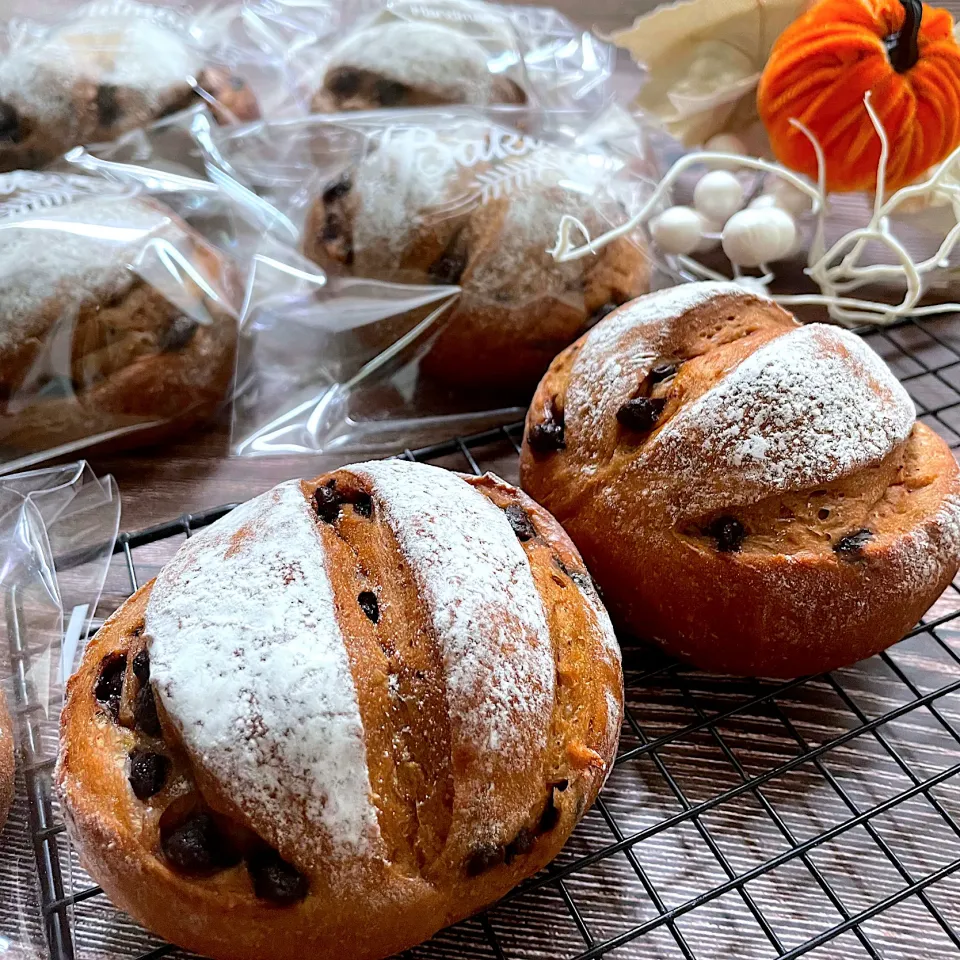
pixel 518 307
pixel 783 591
pixel 7 769
pixel 428 878
pixel 142 370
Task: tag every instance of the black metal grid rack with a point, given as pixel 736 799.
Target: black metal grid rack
pixel 744 818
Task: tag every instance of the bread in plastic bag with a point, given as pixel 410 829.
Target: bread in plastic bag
pixel 118 321
pixel 57 532
pixel 109 67
pixel 370 54
pixel 437 304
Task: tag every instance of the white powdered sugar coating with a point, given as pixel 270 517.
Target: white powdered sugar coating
pixel 126 52
pixel 249 662
pixel 395 191
pixel 807 408
pixel 927 552
pixel 605 373
pixel 486 612
pixel 79 252
pixel 426 55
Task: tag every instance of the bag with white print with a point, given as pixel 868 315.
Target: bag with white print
pixel 88 74
pixel 423 299
pixel 371 54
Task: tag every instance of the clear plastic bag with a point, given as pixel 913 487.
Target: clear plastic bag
pixel 423 299
pixel 118 317
pixel 367 54
pixel 57 531
pixel 79 75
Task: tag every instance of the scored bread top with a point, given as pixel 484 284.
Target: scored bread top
pixel 251 667
pixel 296 720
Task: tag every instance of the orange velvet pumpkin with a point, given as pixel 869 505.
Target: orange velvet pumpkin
pixel 822 65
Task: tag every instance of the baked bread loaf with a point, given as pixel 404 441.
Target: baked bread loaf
pixel 354 710
pixel 753 495
pixel 96 77
pixel 116 320
pixel 7 769
pixel 410 63
pixel 417 214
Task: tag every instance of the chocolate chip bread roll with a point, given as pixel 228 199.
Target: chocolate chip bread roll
pixel 116 321
pixel 753 495
pixel 416 214
pixel 410 63
pixel 354 710
pixel 6 761
pixel 96 77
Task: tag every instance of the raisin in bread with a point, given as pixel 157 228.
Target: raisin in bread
pixel 354 710
pixel 7 769
pixel 117 320
pixel 420 215
pixel 408 63
pixel 94 78
pixel 754 495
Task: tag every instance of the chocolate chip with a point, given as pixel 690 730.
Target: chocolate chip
pixel 484 858
pixel 729 534
pixel 662 372
pixel 369 605
pixel 9 123
pixel 599 314
pixel 110 684
pixel 178 334
pixel 546 437
pixel 145 712
pixel 326 501
pixel 141 666
pixel 108 109
pixel 521 523
pixel 522 843
pixel 344 82
pixel 148 772
pixel 551 813
pixel 448 269
pixel 363 504
pixel 197 846
pixel 851 546
pixel 336 190
pixel 332 228
pixel 274 879
pixel 390 93
pixel 641 413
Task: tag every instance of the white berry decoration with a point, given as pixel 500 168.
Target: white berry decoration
pixel 757 236
pixel 726 143
pixel 678 230
pixel 718 195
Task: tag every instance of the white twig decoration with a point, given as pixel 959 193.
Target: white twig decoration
pixel 837 271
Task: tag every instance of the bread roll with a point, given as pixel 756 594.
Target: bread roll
pixel 6 761
pixel 354 710
pixel 753 495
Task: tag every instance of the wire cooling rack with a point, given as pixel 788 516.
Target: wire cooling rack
pixel 744 818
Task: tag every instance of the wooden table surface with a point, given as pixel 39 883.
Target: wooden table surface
pixel 158 484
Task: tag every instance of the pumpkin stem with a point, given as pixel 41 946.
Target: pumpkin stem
pixel 902 47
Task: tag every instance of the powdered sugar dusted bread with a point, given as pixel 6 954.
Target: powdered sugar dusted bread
pixel 95 77
pixel 356 709
pixel 478 207
pixel 410 63
pixel 754 495
pixel 115 316
pixel 6 761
